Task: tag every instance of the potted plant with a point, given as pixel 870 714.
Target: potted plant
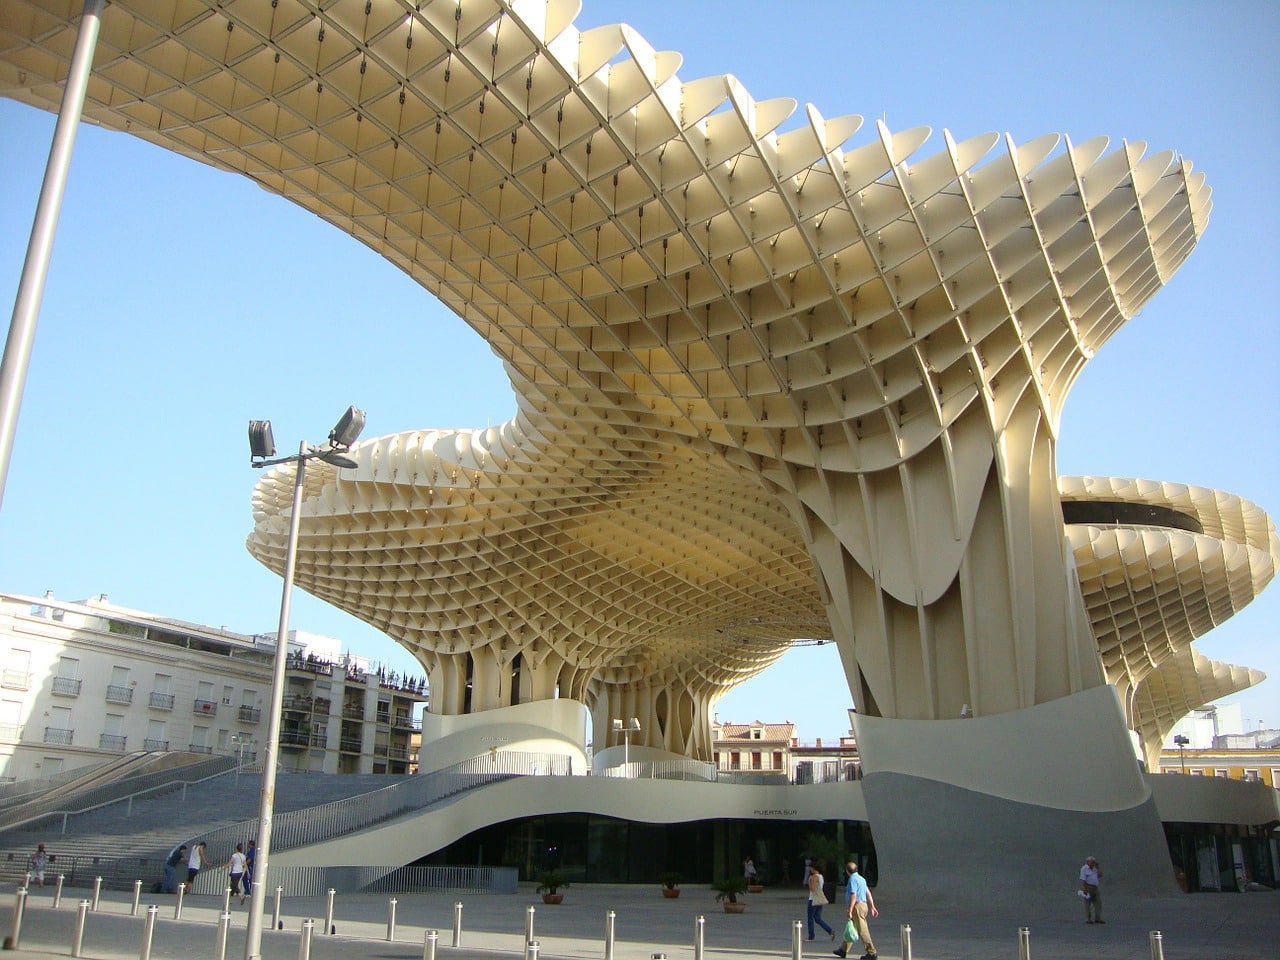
pixel 670 885
pixel 549 884
pixel 727 891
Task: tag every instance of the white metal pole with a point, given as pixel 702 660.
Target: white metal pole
pixel 26 307
pixel 257 902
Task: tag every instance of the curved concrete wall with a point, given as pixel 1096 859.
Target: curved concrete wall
pixel 644 801
pixel 1014 801
pixel 544 726
pixel 1213 800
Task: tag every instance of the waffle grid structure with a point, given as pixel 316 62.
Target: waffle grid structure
pixel 772 369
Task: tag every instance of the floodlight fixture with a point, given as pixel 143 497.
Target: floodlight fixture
pixel 261 443
pixel 347 429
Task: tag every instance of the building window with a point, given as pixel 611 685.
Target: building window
pixel 66 682
pixel 1252 776
pixel 735 760
pixel 59 729
pixel 17 673
pixel 777 760
pixel 10 719
pixel 156 736
pixel 1219 772
pixel 1196 773
pixel 755 760
pixel 119 690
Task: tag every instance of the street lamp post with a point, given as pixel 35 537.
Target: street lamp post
pixel 262 449
pixel 627 731
pixel 1182 742
pixel 241 743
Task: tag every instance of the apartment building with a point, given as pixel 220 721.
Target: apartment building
pixel 80 680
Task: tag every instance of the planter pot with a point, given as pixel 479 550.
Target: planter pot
pixel 671 892
pixel 552 898
pixel 734 907
pixel 755 888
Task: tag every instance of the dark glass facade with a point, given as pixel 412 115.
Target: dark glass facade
pixel 589 848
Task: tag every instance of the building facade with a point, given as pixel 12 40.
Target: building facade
pixel 85 680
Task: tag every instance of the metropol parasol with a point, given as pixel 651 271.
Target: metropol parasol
pixel 779 376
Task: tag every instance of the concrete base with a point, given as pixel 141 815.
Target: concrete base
pixel 1008 807
pixel 956 846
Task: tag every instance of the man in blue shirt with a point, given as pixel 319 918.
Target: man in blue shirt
pixel 860 903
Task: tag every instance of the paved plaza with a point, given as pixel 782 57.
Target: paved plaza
pixel 1217 926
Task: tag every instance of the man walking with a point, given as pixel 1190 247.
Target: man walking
pixel 1090 877
pixel 860 903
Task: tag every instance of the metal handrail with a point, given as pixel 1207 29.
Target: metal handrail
pixel 155 783
pixel 699 770
pixel 29 788
pixel 312 825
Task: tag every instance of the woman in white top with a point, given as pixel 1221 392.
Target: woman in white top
pixel 195 860
pixel 236 867
pixel 817 900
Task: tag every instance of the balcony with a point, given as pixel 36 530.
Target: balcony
pixel 383 717
pixel 199 748
pixel 391 751
pixel 249 715
pixel 405 723
pixel 66 687
pixel 353 711
pixel 161 701
pixel 10 731
pixel 161 745
pixel 15 680
pixel 318 667
pixel 207 708
pixel 58 735
pixel 300 738
pixel 349 745
pixel 119 694
pixel 111 741
pixel 299 704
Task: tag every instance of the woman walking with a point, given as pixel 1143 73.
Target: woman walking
pixel 236 867
pixel 817 900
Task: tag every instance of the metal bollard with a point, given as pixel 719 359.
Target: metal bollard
pixel 57 894
pixel 19 908
pixel 457 924
pixel 77 937
pixel 148 931
pixel 699 934
pixel 97 892
pixel 275 918
pixel 1024 943
pixel 1157 945
pixel 137 896
pixel 797 938
pixel 177 904
pixel 391 919
pixel 609 919
pixel 304 942
pixel 528 924
pixel 904 935
pixel 531 949
pixel 224 929
pixel 430 940
pixel 329 928
pixel 226 900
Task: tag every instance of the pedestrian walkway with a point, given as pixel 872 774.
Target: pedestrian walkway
pixel 1218 926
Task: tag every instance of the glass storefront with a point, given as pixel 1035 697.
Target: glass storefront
pixel 588 848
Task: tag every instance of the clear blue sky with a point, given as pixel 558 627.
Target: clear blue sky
pixel 183 302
